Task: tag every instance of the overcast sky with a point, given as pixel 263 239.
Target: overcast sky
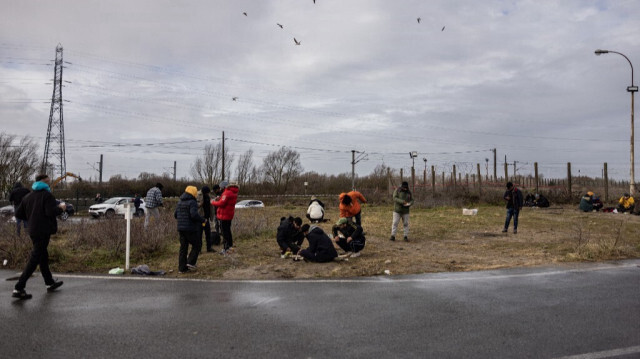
pixel 152 82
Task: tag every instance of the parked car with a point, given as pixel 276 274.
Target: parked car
pixel 8 213
pixel 250 203
pixel 115 206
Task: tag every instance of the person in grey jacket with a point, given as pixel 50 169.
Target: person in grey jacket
pixel 402 200
pixel 189 227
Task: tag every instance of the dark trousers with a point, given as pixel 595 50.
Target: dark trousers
pixel 320 257
pixel 189 238
pixel 20 222
pixel 207 235
pixel 512 212
pixel 358 218
pixel 225 227
pixel 39 257
pixel 353 246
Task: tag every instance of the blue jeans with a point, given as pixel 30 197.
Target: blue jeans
pixel 512 212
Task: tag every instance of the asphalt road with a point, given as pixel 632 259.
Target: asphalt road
pixel 576 311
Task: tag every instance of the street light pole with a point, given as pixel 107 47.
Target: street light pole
pixel 632 89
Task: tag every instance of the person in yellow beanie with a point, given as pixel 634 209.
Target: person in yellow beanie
pixel 189 227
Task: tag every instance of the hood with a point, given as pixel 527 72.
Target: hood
pixel 38 186
pixel 187 196
pixel 232 189
pixel 192 190
pixel 17 185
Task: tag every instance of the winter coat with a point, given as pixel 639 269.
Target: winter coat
pixel 351 230
pixel 154 198
pixel 187 214
pixel 586 203
pixel 40 209
pixel 17 194
pixel 514 198
pixel 226 206
pixel 626 202
pixel 542 201
pixel 320 244
pixel 354 208
pixel 315 210
pixel 400 197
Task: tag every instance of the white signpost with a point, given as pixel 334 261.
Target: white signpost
pixel 127 217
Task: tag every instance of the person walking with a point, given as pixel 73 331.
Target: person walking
pixel 15 198
pixel 349 236
pixel 225 211
pixel 402 201
pixel 40 209
pixel 206 212
pixel 350 206
pixel 152 203
pixel 513 196
pixel 190 225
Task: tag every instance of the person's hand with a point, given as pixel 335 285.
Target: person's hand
pixel 62 206
pixel 349 239
pixel 336 239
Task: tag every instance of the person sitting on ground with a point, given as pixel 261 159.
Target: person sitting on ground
pixel 350 205
pixel 540 201
pixel 289 236
pixel 315 212
pixel 589 202
pixel 349 237
pixel 529 200
pixel 626 204
pixel 320 248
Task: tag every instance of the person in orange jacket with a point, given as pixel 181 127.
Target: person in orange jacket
pixel 350 206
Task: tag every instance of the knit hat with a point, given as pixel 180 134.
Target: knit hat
pixel 509 184
pixel 405 184
pixel 342 221
pixel 590 193
pixel 313 198
pixel 192 190
pixel 205 189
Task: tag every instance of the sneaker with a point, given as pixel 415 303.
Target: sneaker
pixel 393 238
pixel 21 294
pixel 356 254
pixel 406 239
pixel 191 267
pixel 57 284
pixel 184 271
pixel 504 230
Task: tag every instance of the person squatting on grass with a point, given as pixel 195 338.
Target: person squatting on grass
pixel 402 201
pixel 152 202
pixel 349 236
pixel 225 211
pixel 315 211
pixel 320 248
pixel 590 202
pixel 190 225
pixel 350 205
pixel 289 236
pixel 626 204
pixel 513 196
pixel 40 208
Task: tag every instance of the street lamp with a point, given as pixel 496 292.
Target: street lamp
pixel 413 155
pixel 632 89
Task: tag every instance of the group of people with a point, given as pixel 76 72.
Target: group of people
pixel 589 202
pixel 194 213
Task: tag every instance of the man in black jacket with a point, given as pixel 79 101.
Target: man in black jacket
pixel 320 248
pixel 189 227
pixel 289 236
pixel 206 213
pixel 513 196
pixel 349 236
pixel 16 196
pixel 40 208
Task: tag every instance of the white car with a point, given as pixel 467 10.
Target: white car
pixel 250 203
pixel 115 206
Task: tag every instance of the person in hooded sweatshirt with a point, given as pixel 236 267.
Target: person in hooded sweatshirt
pixel 320 248
pixel 40 208
pixel 315 211
pixel 189 227
pixel 225 210
pixel 15 197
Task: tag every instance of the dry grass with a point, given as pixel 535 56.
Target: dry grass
pixel 441 239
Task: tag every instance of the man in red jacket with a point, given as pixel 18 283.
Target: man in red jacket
pixel 225 209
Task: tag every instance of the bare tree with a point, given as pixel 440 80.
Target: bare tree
pixel 245 170
pixel 280 167
pixel 18 160
pixel 208 168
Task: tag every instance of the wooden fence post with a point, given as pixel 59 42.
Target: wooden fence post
pixel 454 177
pixel 535 168
pixel 433 180
pixel 479 180
pixel 506 172
pixel 569 178
pixel 606 183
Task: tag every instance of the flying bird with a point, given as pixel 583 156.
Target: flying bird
pixel 280 26
pixel 418 20
pixel 234 98
pixel 442 28
pixel 296 41
pixel 244 13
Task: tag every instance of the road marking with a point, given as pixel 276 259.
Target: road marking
pixel 605 354
pixel 382 279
